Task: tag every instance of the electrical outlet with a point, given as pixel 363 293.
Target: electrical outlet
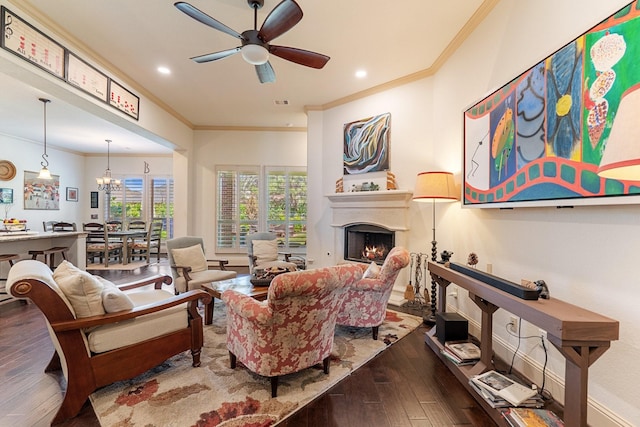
pixel 513 324
pixel 542 333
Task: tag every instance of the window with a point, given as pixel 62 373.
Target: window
pixel 237 205
pixel 287 206
pixel 144 197
pixel 251 199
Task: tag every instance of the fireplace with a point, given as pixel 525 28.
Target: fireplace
pixel 383 214
pixel 366 243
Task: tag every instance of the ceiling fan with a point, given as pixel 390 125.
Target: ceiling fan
pixel 255 48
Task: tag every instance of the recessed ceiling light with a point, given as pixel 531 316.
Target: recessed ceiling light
pixel 361 74
pixel 164 70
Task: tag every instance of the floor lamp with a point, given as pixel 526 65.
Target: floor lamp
pixel 434 187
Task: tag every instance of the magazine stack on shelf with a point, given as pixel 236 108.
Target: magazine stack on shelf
pixel 527 417
pixel 501 391
pixel 461 352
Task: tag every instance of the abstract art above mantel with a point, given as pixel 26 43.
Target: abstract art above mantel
pixel 542 139
pixel 366 145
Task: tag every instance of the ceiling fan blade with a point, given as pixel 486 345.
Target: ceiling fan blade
pixel 199 15
pixel 215 56
pixel 300 56
pixel 266 73
pixel 280 20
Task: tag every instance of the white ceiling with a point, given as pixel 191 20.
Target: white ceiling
pixel 389 39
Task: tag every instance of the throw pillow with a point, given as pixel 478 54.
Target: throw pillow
pixel 192 256
pixel 82 289
pixel 265 250
pixel 372 272
pixel 113 299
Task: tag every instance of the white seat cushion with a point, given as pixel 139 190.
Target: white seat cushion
pixel 200 277
pixel 109 337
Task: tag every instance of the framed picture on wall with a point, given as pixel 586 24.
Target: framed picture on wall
pixel 564 132
pixel 72 194
pixel 42 194
pixel 6 195
pixel 366 145
pixel 94 200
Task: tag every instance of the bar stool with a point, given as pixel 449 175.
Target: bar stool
pixel 10 258
pixel 50 254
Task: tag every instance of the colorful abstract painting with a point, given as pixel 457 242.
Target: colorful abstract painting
pixel 366 145
pixel 543 135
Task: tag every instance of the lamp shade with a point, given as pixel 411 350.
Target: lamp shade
pixel 254 54
pixel 435 186
pixel 621 156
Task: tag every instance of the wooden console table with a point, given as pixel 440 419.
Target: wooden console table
pixel 582 336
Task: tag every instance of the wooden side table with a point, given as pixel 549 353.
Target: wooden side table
pixel 240 284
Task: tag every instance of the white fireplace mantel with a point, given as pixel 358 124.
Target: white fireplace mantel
pixel 387 208
pixel 384 208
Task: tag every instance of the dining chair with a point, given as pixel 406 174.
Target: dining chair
pixel 143 248
pixel 98 244
pixel 64 226
pixel 137 224
pixel 49 254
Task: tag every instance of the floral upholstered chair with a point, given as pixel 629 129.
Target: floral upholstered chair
pixel 293 328
pixel 366 300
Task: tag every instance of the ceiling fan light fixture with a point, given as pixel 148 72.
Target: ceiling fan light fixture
pixel 254 54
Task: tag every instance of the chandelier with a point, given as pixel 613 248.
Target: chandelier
pixel 106 183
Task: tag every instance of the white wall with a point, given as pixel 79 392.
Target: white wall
pixel 211 148
pixel 587 255
pixel 26 155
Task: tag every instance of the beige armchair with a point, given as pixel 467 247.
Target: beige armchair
pixel 189 266
pixel 262 250
pixel 103 333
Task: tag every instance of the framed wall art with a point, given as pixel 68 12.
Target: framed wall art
pixel 42 194
pixel 565 131
pixel 6 195
pixel 72 194
pixel 366 145
pixel 94 200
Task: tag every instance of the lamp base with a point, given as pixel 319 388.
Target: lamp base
pixel 429 319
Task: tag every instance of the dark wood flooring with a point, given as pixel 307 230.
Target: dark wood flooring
pixel 406 385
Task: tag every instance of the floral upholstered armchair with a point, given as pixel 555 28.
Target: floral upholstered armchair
pixel 293 328
pixel 366 300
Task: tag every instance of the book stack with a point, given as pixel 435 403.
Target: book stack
pixel 527 417
pixel 501 391
pixel 461 352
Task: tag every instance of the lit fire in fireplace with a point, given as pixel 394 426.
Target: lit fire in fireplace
pixel 374 252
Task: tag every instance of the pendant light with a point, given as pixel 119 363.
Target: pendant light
pixel 44 172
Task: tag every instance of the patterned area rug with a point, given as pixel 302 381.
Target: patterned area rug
pixel 176 394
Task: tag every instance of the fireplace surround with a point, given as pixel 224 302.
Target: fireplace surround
pixel 384 211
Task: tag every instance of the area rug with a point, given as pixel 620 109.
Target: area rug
pixel 117 266
pixel 176 394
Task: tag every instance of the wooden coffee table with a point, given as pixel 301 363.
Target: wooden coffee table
pixel 240 284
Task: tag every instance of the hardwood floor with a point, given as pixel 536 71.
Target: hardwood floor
pixel 406 385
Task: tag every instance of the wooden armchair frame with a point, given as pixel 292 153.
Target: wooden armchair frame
pixel 88 372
